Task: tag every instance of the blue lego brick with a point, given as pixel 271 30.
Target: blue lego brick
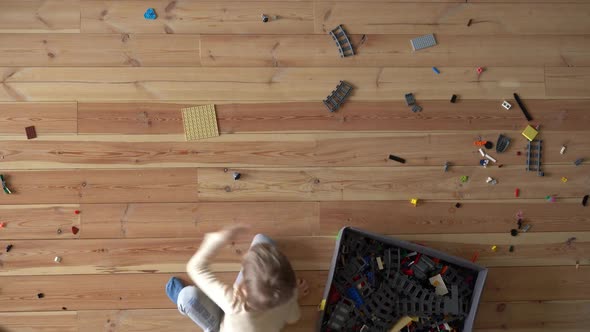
pixel 354 295
pixel 423 42
pixel 150 14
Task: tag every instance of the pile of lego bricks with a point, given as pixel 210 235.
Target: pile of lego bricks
pixel 375 285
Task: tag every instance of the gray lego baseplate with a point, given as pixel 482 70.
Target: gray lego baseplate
pixel 423 42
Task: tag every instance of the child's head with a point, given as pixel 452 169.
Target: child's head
pixel 268 278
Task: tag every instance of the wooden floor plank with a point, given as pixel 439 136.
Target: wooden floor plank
pixel 307 150
pixel 129 50
pixel 263 84
pixel 140 220
pixel 53 321
pixel 533 316
pixel 165 118
pixel 395 183
pixel 567 82
pixel 87 292
pixel 101 186
pixel 394 217
pixel 162 255
pixel 34 16
pixel 123 16
pixel 48 118
pixel 452 18
pixel 394 50
pixel 38 221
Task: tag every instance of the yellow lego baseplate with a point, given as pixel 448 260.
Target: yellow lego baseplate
pixel 530 133
pixel 199 122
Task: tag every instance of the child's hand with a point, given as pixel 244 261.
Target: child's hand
pixel 302 288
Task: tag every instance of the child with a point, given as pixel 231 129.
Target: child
pixel 263 298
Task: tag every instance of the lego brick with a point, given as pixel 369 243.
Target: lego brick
pixel 199 122
pixel 31 132
pixel 530 133
pixel 423 42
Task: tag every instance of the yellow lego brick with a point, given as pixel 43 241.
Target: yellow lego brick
pixel 530 133
pixel 414 201
pixel 199 122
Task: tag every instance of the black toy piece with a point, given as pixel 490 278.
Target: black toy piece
pixel 489 145
pixel 237 176
pixel 502 144
pixel 342 42
pixel 522 107
pixel 338 96
pixel 398 159
pixel 585 200
pixel 453 98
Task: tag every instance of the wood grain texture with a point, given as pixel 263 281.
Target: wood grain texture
pixel 125 291
pixel 263 84
pixel 90 50
pixel 452 18
pixel 394 50
pixel 53 321
pixel 139 220
pixel 567 82
pixel 101 186
pixel 532 316
pixel 33 16
pixel 165 118
pixel 48 118
pixel 394 217
pixel 38 221
pixel 294 150
pixel 382 183
pixel 196 17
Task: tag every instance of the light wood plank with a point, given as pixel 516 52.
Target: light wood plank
pixel 394 183
pixel 48 118
pixel 53 321
pixel 165 118
pixel 23 16
pixel 394 50
pixel 101 186
pixel 567 82
pixel 533 316
pixel 263 84
pixel 88 292
pixel 161 255
pixel 394 217
pixel 129 50
pixel 196 17
pixel 452 18
pixel 38 221
pixel 139 220
pixel 293 150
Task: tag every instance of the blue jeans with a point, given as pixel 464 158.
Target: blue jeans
pixel 195 304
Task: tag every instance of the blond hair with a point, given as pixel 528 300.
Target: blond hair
pixel 268 278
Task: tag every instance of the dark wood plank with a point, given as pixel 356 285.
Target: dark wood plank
pixel 52 321
pixel 129 50
pixel 394 217
pixel 140 220
pixel 389 183
pixel 48 118
pixel 38 221
pixel 394 50
pixel 165 118
pixel 101 186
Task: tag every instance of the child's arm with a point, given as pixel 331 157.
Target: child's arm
pixel 198 270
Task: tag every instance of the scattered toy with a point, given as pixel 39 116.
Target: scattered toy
pixel 416 108
pixel 494 248
pixel 475 257
pixel 439 284
pixel 506 105
pixel 59 231
pixel 345 48
pixel 479 70
pixel 199 122
pixel 57 259
pixel 410 100
pixel 563 179
pixel 76 211
pixel 423 42
pixel 578 162
pixel 502 143
pixel 516 192
pixel 522 107
pixel 530 133
pixel 40 295
pixel 518 153
pixel 469 22
pixel 488 145
pixel 398 159
pixel 9 247
pixel 457 205
pixel 2 224
pixel 511 248
pixel 526 228
pixel 492 159
pixel 585 200
pixel 4 185
pixel 562 151
pixel 150 14
pixel 514 232
pixel 446 166
pixel 550 198
pixel 491 180
pixel 236 176
pixel 577 265
pixel 436 70
pixel 414 201
pixel 484 162
pixel 75 230
pixel 265 18
pixel 338 96
pixel 464 178
pixel 570 240
pixel 533 159
pixel 31 132
pixel 453 99
pixel 481 152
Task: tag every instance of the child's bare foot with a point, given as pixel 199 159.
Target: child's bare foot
pixel 302 287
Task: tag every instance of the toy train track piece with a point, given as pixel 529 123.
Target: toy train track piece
pixel 338 96
pixel 344 46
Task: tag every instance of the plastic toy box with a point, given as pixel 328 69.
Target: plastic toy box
pixel 378 282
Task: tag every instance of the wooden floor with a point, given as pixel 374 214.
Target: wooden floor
pixel 103 87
